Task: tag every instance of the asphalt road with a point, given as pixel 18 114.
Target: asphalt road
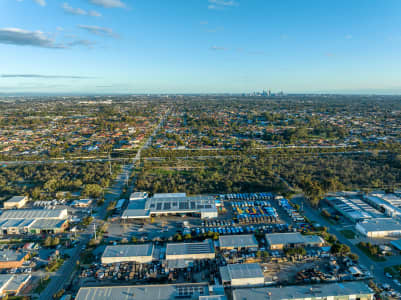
pixel 63 275
pixel 376 268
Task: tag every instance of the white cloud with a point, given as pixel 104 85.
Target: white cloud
pixel 348 36
pixel 21 37
pixel 101 31
pixel 217 48
pixel 79 11
pixel 109 3
pixel 75 11
pixel 94 13
pixel 41 2
pixel 221 4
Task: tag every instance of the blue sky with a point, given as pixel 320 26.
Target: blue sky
pixel 200 46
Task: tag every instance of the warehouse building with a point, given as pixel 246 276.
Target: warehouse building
pixel 48 226
pixel 190 251
pixel 191 291
pixel 32 226
pixel 15 202
pixel 33 221
pixel 353 208
pixel 241 275
pixel 172 204
pixel 396 244
pixel 279 241
pixel 10 259
pixel 128 253
pixel 82 203
pixel 379 228
pixel 34 214
pixel 238 242
pixel 12 284
pixel 15 226
pixel 355 290
pixel 390 204
pixel 137 196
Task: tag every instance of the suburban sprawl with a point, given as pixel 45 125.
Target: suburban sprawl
pixel 257 196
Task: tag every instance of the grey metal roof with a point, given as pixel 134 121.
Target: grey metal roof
pixel 145 292
pixel 190 248
pixel 4 280
pixel 380 224
pixel 33 214
pixel 16 223
pixel 304 291
pixel 238 241
pixel 396 244
pixel 11 255
pixel 16 281
pixel 135 213
pixel 128 250
pixel 45 224
pixel 238 271
pixel 15 199
pixel 292 238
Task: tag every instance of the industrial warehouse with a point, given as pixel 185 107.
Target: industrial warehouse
pixel 193 291
pixel 390 204
pixel 34 214
pixel 190 251
pixel 12 284
pixel 379 228
pixel 15 202
pixel 12 259
pixel 33 221
pixel 237 275
pixel 170 204
pixel 353 208
pixel 344 291
pixel 279 241
pixel 128 253
pixel 230 242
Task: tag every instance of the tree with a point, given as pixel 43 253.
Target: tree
pixel 48 241
pixel 55 241
pixel 93 190
pixel 353 256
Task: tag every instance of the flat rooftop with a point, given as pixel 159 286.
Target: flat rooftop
pixel 16 223
pixel 47 224
pixel 169 195
pixel 16 199
pixel 128 250
pixel 34 214
pixel 292 238
pixel 304 291
pixel 241 271
pixel 190 248
pixel 380 224
pixel 172 204
pixel 11 255
pixel 145 292
pixel 238 241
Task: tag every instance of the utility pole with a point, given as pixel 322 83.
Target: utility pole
pixel 111 173
pixel 94 230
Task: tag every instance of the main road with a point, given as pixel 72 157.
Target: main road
pixel 64 274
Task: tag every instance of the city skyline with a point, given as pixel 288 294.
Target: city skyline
pixel 199 46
